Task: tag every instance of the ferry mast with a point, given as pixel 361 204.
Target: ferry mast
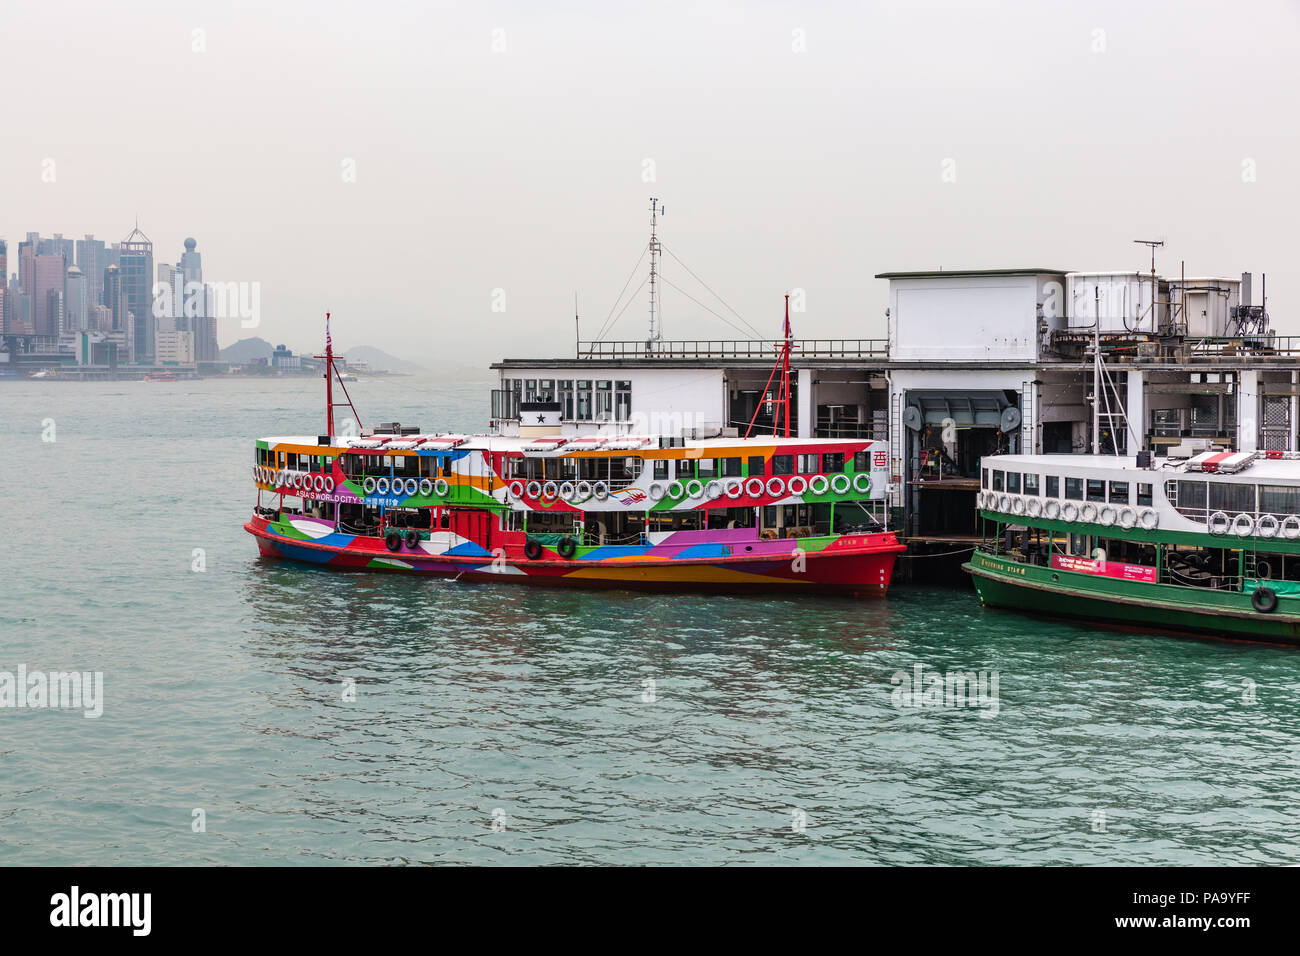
pixel 332 372
pixel 656 332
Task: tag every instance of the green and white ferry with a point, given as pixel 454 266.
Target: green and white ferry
pixel 1208 543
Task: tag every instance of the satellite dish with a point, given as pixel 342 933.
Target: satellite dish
pixel 1010 419
pixel 912 418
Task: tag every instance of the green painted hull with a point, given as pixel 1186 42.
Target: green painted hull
pixel 1166 607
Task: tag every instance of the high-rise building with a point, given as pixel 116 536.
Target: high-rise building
pixel 136 267
pixel 74 306
pixel 115 299
pixel 4 288
pixel 92 262
pixel 48 292
pixel 203 323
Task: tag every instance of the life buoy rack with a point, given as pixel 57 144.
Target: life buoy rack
pixel 803 485
pixel 534 489
pixel 532 549
pixel 695 488
pixel 840 484
pixel 1051 509
pixel 1148 519
pixel 516 489
pixel 776 487
pixel 862 482
pixel 754 487
pixel 1127 518
pixel 1267 526
pixel 368 485
pixel 440 487
pixel 600 490
pixel 734 487
pixel 1219 523
pixel 567 547
pixel 1243 526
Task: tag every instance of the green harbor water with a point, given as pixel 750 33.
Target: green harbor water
pixel 497 724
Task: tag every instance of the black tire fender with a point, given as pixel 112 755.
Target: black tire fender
pixel 393 541
pixel 412 538
pixel 567 547
pixel 532 549
pixel 1264 600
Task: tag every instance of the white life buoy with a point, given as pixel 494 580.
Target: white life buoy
pixel 1070 511
pixel 1148 519
pixel 675 490
pixel 840 484
pixel 368 485
pixel 1107 515
pixel 381 486
pixel 656 491
pixel 1267 526
pixel 694 488
pixel 819 484
pixel 1034 507
pixel 1051 509
pixel 329 484
pixel 733 487
pixel 1088 512
pixel 426 487
pixel 600 490
pixel 319 483
pixel 567 490
pixel 1290 527
pixel 582 490
pixel 550 489
pixel 776 487
pixel 1004 504
pixel 862 482
pixel 798 485
pixel 1017 505
pixel 754 487
pixel 440 488
pixel 1127 518
pixel 412 486
pixel 534 489
pixel 517 489
pixel 1243 526
pixel 713 490
pixel 1219 523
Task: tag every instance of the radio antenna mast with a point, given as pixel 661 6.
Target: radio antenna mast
pixel 656 332
pixel 1154 244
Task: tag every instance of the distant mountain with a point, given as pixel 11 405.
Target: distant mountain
pixel 246 350
pixel 380 360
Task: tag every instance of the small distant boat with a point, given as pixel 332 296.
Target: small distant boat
pixel 41 373
pixel 161 377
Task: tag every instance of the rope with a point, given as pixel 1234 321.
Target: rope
pixel 757 333
pixel 620 295
pixel 943 554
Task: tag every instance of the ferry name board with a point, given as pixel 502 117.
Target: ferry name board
pixel 1107 569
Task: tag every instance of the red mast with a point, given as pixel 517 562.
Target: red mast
pixel 332 372
pixel 783 366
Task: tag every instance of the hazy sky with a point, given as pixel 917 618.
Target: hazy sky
pixel 793 145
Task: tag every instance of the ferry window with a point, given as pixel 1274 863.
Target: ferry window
pixel 708 468
pixel 997 479
pixel 862 461
pixel 756 465
pixel 1119 492
pixel 1230 496
pixel 546 390
pixel 808 464
pixel 1074 489
pixel 731 467
pixel 1053 489
pixel 1013 482
pixel 1191 494
pixel 1144 496
pixel 1279 500
pixel 584 400
pixel 1031 484
pixel 530 390
pixel 1096 489
pixel 984 479
pixel 604 401
pixel 833 462
pixel 566 399
pixel 661 468
pixel 622 401
pixel 783 464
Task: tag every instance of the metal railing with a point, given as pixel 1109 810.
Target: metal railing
pixel 734 349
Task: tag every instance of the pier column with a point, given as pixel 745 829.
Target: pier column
pixel 1135 407
pixel 805 411
pixel 1248 410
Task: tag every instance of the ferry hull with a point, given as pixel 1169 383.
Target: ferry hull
pixel 1054 593
pixel 863 567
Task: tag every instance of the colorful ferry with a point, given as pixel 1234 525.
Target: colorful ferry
pixel 1207 543
pixel 763 513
